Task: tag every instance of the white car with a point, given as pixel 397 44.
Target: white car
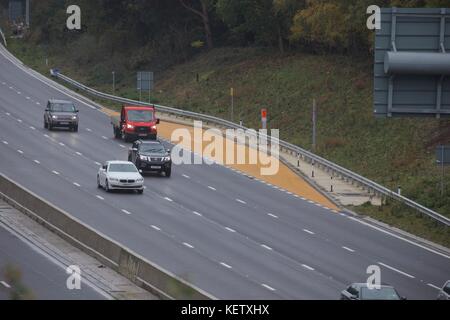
pixel 120 175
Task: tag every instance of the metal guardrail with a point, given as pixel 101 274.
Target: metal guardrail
pixel 3 37
pixel 335 169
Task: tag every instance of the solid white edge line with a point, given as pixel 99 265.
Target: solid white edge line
pixel 396 270
pixel 398 237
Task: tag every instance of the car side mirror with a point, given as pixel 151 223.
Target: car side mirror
pixel 104 168
pixel 47 110
pixel 134 149
pixel 140 170
pixel 157 121
pixel 77 111
pixel 168 151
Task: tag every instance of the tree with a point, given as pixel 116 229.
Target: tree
pixel 204 15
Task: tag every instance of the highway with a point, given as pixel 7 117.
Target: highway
pixel 44 278
pixel 232 236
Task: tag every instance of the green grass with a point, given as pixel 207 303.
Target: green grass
pixel 392 152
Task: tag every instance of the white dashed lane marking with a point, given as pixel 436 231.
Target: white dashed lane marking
pixel 241 201
pixel 229 229
pixel 61 144
pixel 19 120
pixel 89 130
pixel 197 213
pixel 126 211
pixel 168 199
pixel 272 215
pixel 56 172
pixel 98 163
pixel 104 137
pixel 36 161
pixel 433 286
pixel 76 184
pixel 20 151
pixel 396 270
pixel 308 231
pixel 5 284
pixel 186 176
pixel 225 265
pixel 212 188
pixel 122 146
pixel 32 128
pixel 307 267
pixel 188 245
pixel 266 247
pixel 100 197
pixel 5 142
pixel 348 249
pixel 267 287
pixel 79 153
pixel 156 228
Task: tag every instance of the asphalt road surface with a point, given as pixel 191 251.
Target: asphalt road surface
pixel 42 277
pixel 232 236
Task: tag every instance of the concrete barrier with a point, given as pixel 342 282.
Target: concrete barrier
pixel 144 273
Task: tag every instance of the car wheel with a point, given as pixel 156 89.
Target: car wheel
pixel 45 124
pixel 75 128
pixel 107 189
pixel 50 127
pixel 168 172
pixel 98 182
pixel 116 133
pixel 140 191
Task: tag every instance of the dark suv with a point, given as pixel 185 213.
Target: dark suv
pixel 61 113
pixel 151 156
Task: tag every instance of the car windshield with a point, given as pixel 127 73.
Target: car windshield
pixel 153 148
pixel 122 167
pixel 140 115
pixel 384 293
pixel 63 107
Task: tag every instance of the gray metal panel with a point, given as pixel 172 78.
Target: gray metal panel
pixel 443 154
pixel 16 10
pixel 145 80
pixel 415 30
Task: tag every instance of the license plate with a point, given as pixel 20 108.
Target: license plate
pixel 155 167
pixel 142 134
pixel 63 123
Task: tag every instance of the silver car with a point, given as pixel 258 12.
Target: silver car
pixel 61 113
pixel 120 175
pixel 444 293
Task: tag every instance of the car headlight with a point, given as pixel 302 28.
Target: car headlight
pixel 130 126
pixel 74 117
pixel 54 117
pixel 143 158
pixel 114 179
pixel 166 158
pixel 153 127
pixel 140 180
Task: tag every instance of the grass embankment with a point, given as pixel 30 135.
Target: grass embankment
pixel 393 152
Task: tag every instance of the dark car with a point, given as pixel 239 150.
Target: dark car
pixel 360 291
pixel 151 156
pixel 444 293
pixel 61 113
